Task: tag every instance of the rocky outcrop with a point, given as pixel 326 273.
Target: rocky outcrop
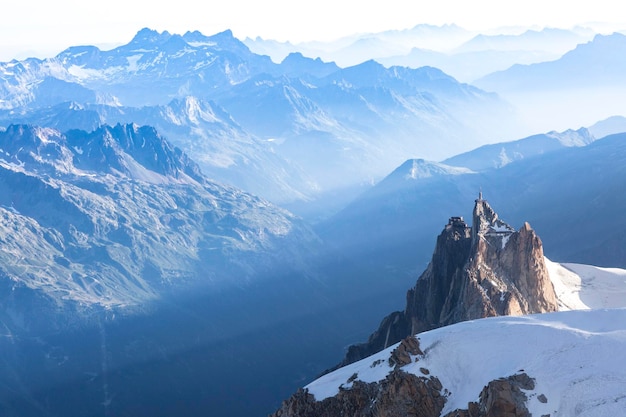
pixel 488 269
pixel 404 394
pixel 500 398
pixel 402 355
pixel 400 394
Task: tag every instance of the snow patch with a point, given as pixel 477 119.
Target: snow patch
pixel 505 240
pixel 200 44
pixel 132 62
pixel 85 74
pixel 372 369
pixel 501 227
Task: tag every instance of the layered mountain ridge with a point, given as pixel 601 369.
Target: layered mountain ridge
pixel 571 70
pixel 585 85
pixel 118 217
pixel 400 212
pixel 465 54
pixel 228 107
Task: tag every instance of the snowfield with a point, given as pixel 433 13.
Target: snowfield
pixel 577 356
pixel 580 287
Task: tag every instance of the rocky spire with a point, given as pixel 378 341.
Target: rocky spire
pixel 489 269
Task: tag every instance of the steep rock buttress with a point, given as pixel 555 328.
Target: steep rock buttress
pixel 489 269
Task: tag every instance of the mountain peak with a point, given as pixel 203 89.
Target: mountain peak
pixel 370 64
pixel 225 37
pixel 195 36
pixel 294 57
pixel 175 43
pixel 131 150
pixel 615 36
pixel 224 34
pixel 414 169
pixel 484 270
pixel 226 41
pixel 486 224
pixel 150 36
pixel 600 47
pixel 297 65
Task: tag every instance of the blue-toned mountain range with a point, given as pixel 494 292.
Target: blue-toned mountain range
pixel 119 217
pixel 567 185
pixel 312 126
pixel 144 266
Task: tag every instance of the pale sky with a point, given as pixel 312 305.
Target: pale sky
pixel 43 28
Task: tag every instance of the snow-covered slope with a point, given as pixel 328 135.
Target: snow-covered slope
pixel 581 287
pixel 577 358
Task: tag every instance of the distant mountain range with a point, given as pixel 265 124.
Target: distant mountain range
pixel 598 63
pixel 558 189
pixel 256 124
pixel 464 54
pixel 583 86
pixel 555 78
pixel 609 126
pixel 498 155
pixel 230 108
pixel 222 148
pixel 352 50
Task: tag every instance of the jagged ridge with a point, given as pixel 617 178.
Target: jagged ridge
pixel 118 217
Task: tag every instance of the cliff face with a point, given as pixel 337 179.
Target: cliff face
pixel 489 269
pixel 399 394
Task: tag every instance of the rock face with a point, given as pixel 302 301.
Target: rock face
pixel 402 354
pixel 485 270
pixel 500 398
pixel 400 394
pixel 406 394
